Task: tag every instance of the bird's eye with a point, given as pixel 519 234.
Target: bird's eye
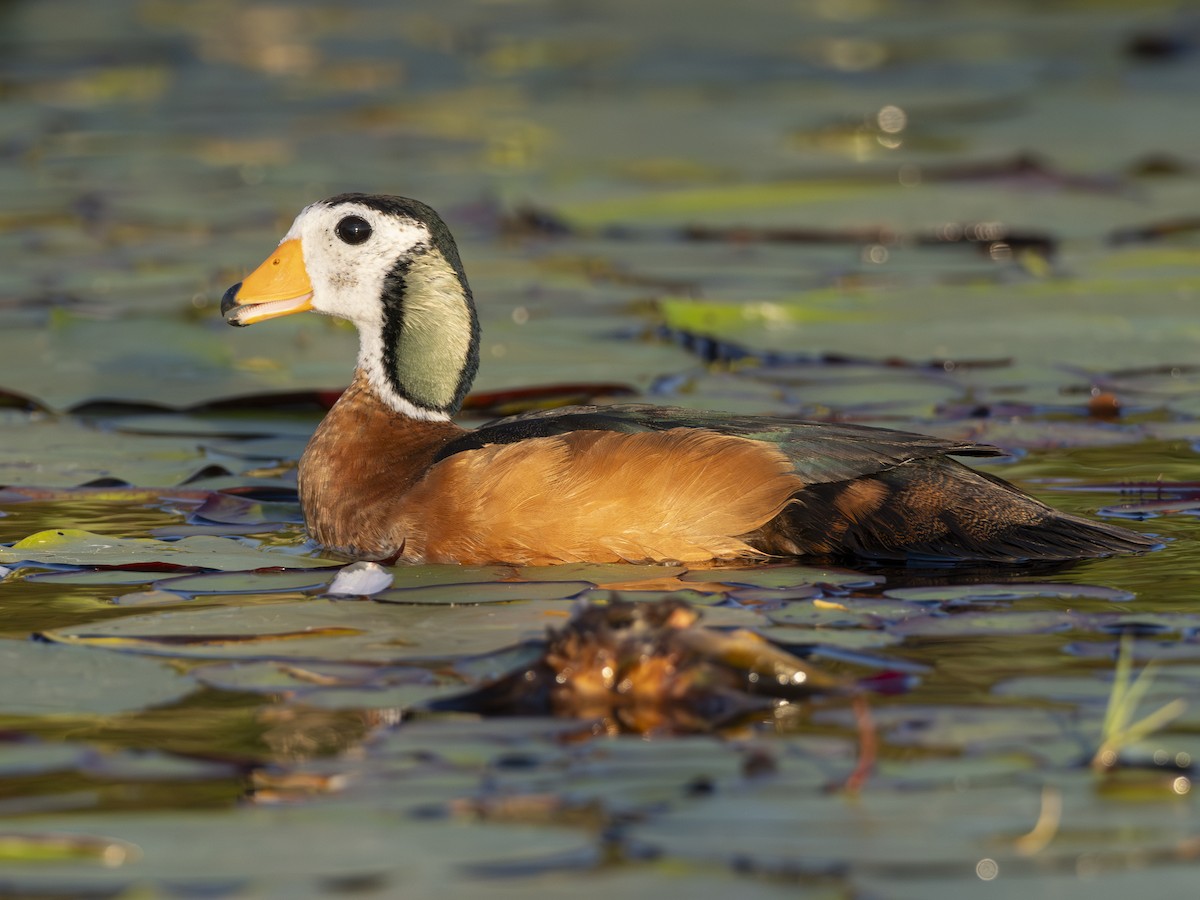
pixel 353 229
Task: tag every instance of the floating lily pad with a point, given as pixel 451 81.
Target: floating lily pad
pixel 69 546
pixel 847 614
pixel 475 593
pixel 270 427
pixel 292 849
pixel 330 685
pixel 65 453
pixel 91 576
pixel 784 577
pixel 247 582
pixel 269 449
pixel 150 765
pixel 325 630
pixel 151 598
pixel 47 680
pixel 995 593
pixel 1140 650
pixel 428 576
pixel 996 623
pixel 1094 691
pixel 32 757
pixel 275 677
pixel 775 597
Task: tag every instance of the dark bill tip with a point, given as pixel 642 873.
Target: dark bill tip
pixel 229 301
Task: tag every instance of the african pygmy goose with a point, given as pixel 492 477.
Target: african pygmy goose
pixel 388 475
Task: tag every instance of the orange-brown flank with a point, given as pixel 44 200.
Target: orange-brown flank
pixel 369 485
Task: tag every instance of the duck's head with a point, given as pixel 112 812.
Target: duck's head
pixel 390 266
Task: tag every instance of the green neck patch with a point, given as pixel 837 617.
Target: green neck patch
pixel 430 332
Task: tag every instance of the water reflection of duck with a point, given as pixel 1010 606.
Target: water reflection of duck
pixel 388 475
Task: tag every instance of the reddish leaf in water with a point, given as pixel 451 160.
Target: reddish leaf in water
pixel 889 683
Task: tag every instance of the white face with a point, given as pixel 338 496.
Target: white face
pixel 347 278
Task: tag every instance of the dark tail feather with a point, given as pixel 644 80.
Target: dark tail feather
pixel 938 510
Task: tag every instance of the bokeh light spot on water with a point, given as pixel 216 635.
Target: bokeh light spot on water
pixel 892 119
pixel 987 869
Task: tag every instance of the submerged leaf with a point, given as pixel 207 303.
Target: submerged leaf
pixel 321 629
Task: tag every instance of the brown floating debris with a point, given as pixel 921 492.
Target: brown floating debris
pixel 649 667
pixel 1104 405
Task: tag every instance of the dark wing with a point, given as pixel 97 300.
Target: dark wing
pixel 820 451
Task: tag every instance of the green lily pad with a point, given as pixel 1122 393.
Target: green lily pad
pixel 151 598
pixel 150 765
pixel 991 593
pixel 247 582
pixel 996 623
pixel 430 575
pixel 323 630
pixel 847 614
pixel 53 452
pixel 70 546
pixel 91 576
pixel 478 592
pixel 35 757
pixel 46 680
pixel 1093 691
pixel 775 597
pixel 784 577
pixel 330 685
pixel 298 851
pixel 277 677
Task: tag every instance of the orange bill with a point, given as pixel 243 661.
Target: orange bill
pixel 279 287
